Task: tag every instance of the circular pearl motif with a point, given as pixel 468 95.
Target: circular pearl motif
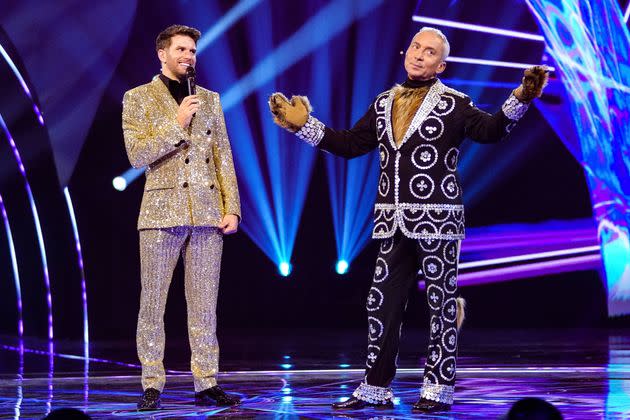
pixel 372 355
pixel 424 156
pixel 381 271
pixel 431 129
pixel 450 252
pixel 425 228
pixel 421 186
pixel 438 215
pixel 450 187
pixel 429 245
pixel 434 356
pixel 374 299
pixel 435 296
pixel 383 184
pixel 450 285
pixel 449 311
pixel 447 368
pixel 383 155
pixel 436 326
pixel 445 106
pixel 449 340
pixel 375 328
pixel 432 267
pixel 450 159
pixel 381 127
pixel 386 246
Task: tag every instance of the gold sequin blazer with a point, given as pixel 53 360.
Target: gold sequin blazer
pixel 190 177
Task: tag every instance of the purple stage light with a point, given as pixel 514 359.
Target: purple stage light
pixel 529 257
pixel 75 230
pixel 14 265
pixel 38 228
pixel 587 262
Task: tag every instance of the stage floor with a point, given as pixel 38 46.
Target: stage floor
pixel 283 374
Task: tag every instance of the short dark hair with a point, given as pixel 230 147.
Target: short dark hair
pixel 163 40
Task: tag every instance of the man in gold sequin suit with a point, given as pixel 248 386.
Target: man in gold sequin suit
pixel 190 201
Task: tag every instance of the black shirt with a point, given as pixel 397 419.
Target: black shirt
pixel 178 89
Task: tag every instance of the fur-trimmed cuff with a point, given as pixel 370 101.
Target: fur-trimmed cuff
pixel 373 394
pixel 312 132
pixel 513 108
pixel 437 392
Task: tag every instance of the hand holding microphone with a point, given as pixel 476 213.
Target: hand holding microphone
pixel 190 104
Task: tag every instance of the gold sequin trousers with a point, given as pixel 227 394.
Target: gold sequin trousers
pixel 201 249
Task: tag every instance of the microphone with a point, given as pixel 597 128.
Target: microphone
pixel 190 80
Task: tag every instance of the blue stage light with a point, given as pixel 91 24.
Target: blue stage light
pixel 284 268
pixel 342 267
pixel 344 366
pixel 286 366
pixel 119 183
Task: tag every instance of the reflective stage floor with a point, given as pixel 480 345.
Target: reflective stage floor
pixel 283 374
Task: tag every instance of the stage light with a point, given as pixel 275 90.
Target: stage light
pixel 493 63
pixel 342 267
pixel 286 366
pixel 344 366
pixel 478 28
pixel 119 183
pixel 284 268
pixel 38 227
pixel 287 399
pixel 226 21
pixel 14 265
pixel 75 230
pixel 627 14
pixel 286 357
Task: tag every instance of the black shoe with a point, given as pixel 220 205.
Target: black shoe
pixel 428 406
pixel 215 396
pixel 150 400
pixel 354 403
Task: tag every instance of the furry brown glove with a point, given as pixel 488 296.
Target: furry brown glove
pixel 534 81
pixel 291 115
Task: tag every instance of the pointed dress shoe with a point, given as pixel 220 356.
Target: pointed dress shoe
pixel 353 403
pixel 428 406
pixel 150 400
pixel 215 396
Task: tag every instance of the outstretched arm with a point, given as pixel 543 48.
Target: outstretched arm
pixel 490 128
pixel 294 116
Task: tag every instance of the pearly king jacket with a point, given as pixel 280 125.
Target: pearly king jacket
pixel 190 177
pixel 418 189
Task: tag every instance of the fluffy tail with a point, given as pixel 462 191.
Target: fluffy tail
pixel 461 312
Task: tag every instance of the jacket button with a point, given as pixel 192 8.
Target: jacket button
pixel 208 131
pixel 207 160
pixel 212 186
pixel 185 185
pixel 187 161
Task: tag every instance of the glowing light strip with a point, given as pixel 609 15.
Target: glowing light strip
pixel 14 265
pixel 493 63
pixel 478 28
pixel 586 262
pixel 51 353
pixel 529 257
pixel 228 19
pixel 75 230
pixel 627 14
pixel 38 228
pixel 17 73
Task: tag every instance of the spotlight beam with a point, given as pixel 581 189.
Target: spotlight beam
pixel 234 14
pixel 479 28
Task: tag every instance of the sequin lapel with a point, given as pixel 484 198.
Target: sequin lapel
pixel 430 101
